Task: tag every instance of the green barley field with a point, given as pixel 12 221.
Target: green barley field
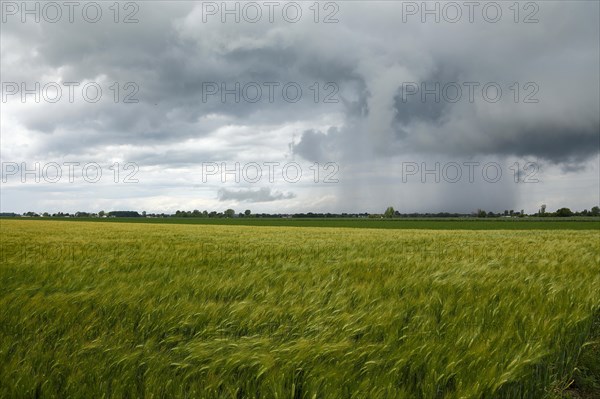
pixel 124 310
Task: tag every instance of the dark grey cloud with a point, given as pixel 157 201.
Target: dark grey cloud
pixel 561 144
pixel 316 146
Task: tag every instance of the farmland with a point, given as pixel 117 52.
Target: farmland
pixel 574 223
pixel 94 309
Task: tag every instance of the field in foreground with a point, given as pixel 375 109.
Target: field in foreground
pixel 157 310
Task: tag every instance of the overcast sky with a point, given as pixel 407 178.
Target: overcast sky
pixel 492 106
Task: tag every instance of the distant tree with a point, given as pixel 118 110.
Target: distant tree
pixel 124 214
pixel 543 210
pixel 229 213
pixel 144 213
pixel 247 213
pixel 595 211
pixel 389 212
pixel 481 213
pixel 101 214
pixel 564 212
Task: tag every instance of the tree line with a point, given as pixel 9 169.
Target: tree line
pixel 389 213
pixel 561 212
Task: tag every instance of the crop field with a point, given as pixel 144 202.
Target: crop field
pixel 132 310
pixel 575 223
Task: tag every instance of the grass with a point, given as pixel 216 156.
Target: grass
pixel 163 310
pixel 586 378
